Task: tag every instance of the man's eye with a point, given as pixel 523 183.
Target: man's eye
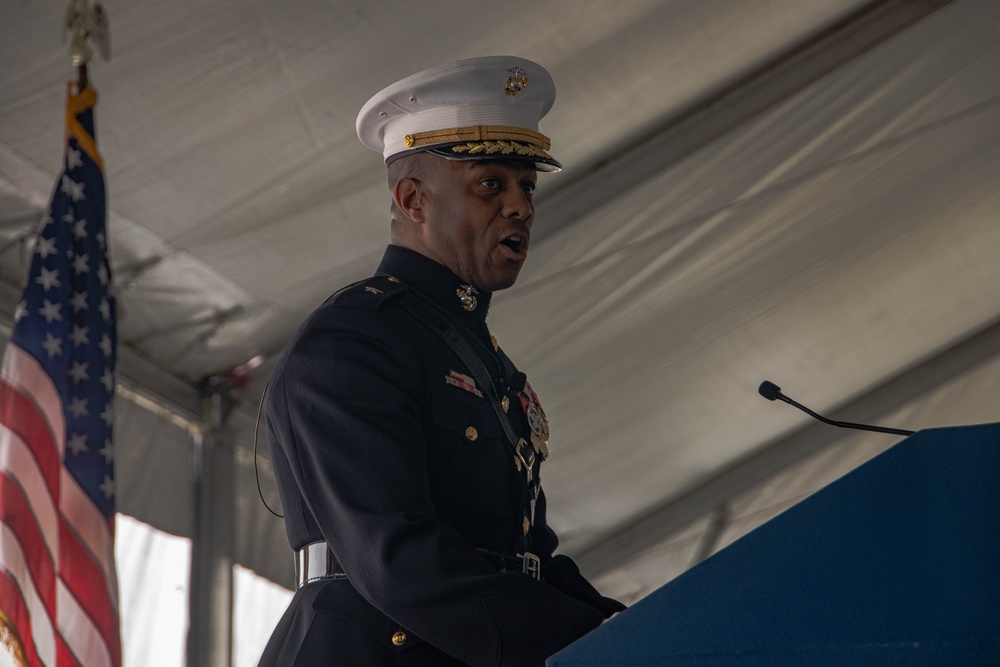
pixel 529 188
pixel 490 183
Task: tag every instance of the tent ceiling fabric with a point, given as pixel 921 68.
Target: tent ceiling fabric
pixel 228 131
pixel 832 241
pixel 819 257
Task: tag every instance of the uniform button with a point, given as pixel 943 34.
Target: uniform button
pixel 505 403
pixel 393 279
pixel 399 638
pixel 471 433
pixel 527 525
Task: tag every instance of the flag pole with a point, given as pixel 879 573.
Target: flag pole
pixel 81 77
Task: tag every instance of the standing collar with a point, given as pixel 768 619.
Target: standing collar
pixel 435 282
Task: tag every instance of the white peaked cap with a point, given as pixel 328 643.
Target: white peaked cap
pixel 475 109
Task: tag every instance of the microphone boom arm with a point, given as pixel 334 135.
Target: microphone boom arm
pixel 771 391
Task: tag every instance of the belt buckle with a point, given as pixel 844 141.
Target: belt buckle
pixel 315 562
pixel 531 564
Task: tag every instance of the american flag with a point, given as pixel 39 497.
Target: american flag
pixel 58 587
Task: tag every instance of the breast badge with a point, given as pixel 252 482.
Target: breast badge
pixel 537 421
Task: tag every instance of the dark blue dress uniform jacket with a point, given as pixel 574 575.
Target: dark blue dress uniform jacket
pixel 373 452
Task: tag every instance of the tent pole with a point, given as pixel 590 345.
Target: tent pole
pixel 211 584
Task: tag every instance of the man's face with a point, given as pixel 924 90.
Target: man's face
pixel 478 217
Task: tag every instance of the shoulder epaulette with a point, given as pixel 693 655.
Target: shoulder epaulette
pixel 370 292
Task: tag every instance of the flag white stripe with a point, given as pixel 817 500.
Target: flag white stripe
pixel 82 637
pixel 23 372
pixel 90 527
pixel 17 461
pixel 12 560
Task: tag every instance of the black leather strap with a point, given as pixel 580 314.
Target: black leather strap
pixel 426 313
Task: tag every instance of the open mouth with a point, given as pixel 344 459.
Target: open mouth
pixel 516 242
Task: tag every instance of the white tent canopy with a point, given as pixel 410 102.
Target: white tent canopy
pixel 805 191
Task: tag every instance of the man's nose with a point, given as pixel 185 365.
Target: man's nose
pixel 518 203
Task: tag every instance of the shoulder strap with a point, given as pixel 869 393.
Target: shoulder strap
pixel 460 346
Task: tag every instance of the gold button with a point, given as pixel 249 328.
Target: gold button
pixel 408 141
pixel 504 403
pixel 471 433
pixel 393 279
pixel 527 525
pixel 399 638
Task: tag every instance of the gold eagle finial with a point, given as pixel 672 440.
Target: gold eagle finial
pixel 86 23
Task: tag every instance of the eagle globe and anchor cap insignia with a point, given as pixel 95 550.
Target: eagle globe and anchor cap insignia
pixel 516 82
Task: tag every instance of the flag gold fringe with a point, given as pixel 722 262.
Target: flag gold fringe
pixel 10 641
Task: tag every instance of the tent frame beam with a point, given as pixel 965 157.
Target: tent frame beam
pixel 670 141
pixel 614 549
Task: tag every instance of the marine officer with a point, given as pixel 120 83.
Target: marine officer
pixel 407 446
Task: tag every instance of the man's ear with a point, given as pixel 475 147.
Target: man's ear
pixel 409 198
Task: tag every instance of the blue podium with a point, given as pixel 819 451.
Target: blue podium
pixel 896 563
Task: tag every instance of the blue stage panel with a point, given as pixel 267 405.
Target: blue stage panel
pixel 897 562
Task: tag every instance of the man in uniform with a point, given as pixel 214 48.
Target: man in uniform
pixel 407 446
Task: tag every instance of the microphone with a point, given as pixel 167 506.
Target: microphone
pixel 771 392
pixel 517 382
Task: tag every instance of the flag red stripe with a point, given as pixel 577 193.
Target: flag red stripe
pixel 12 562
pixel 17 462
pixel 22 417
pixel 64 657
pixel 17 612
pixel 85 580
pixel 23 372
pixel 16 513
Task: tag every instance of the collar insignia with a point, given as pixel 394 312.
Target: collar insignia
pixel 466 294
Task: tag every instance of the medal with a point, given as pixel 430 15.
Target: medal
pixel 537 421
